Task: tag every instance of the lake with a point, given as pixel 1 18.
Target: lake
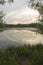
pixel 19 37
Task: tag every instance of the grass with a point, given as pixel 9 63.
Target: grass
pixel 22 55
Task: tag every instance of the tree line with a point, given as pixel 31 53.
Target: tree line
pixel 34 4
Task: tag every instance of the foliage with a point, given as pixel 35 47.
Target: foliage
pixel 38 5
pixel 2 24
pixel 10 55
pixel 37 26
pixel 4 1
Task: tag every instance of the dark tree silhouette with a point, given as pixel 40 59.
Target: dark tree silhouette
pixel 38 5
pixel 2 24
pixel 4 1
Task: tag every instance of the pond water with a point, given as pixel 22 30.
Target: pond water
pixel 19 37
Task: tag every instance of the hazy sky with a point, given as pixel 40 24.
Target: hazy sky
pixel 18 12
pixel 18 4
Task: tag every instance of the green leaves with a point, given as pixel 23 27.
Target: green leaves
pixel 2 24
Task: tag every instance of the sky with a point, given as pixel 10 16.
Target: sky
pixel 19 12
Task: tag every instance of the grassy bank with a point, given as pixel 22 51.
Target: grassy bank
pixel 22 55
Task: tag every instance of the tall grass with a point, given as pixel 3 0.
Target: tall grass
pixel 11 55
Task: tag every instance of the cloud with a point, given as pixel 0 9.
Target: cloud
pixel 23 16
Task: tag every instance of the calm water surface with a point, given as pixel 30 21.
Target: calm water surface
pixel 19 37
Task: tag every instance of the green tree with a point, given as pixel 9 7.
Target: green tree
pixel 2 24
pixel 38 5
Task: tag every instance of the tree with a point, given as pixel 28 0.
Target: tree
pixel 38 5
pixel 2 25
pixel 4 1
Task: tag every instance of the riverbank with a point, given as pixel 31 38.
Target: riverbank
pixel 22 55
